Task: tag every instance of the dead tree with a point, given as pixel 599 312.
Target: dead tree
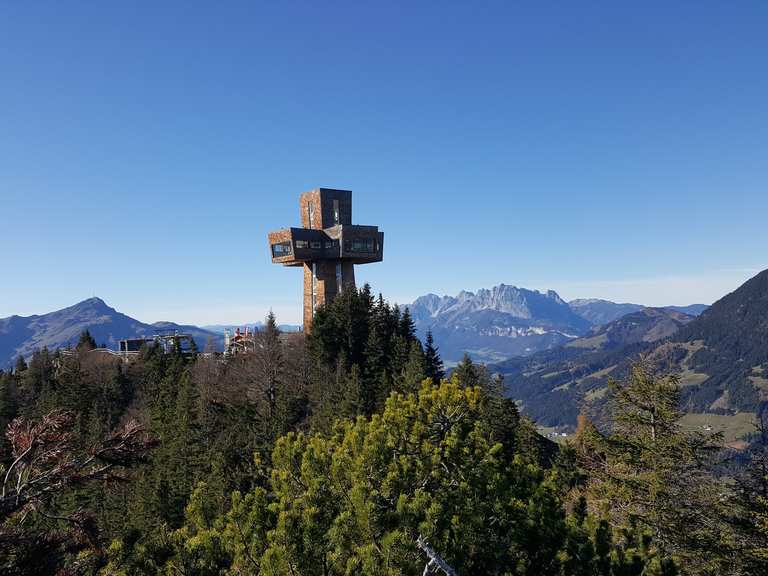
pixel 435 562
pixel 47 460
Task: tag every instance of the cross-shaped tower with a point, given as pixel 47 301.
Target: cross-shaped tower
pixel 327 245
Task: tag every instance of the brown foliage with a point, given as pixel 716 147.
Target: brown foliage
pixel 46 460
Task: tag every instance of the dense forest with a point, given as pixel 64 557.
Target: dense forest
pixel 349 451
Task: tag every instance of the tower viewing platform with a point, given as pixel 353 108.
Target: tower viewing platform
pixel 327 246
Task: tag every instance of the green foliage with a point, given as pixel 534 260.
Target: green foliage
pixel 332 454
pixel 9 405
pixel 355 500
pixel 433 364
pixel 377 341
pixel 20 365
pixel 468 373
pixel 647 476
pixel 86 342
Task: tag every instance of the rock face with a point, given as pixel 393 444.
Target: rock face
pixel 495 324
pixel 21 335
pixel 507 321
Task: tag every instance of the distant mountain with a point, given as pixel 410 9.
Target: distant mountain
pixel 721 358
pixel 692 309
pixel 599 312
pixel 644 325
pixel 219 328
pixel 506 321
pixel 495 324
pixel 21 335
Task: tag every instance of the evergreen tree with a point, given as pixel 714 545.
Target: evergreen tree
pixel 750 500
pixel 20 365
pixel 86 342
pixel 376 372
pixel 397 357
pixel 9 409
pixel 502 416
pixel 407 329
pixel 340 329
pixel 184 461
pixel 37 385
pixel 468 373
pixel 330 455
pixel 414 372
pixel 269 364
pixel 358 499
pixel 579 554
pixel 649 473
pixel 433 364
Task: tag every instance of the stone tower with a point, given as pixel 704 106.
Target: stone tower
pixel 327 246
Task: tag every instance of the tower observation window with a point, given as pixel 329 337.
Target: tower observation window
pixel 281 249
pixel 360 245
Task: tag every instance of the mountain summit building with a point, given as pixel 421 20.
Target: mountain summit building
pixel 327 246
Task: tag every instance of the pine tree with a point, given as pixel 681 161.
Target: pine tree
pixel 355 501
pixel 376 369
pixel 37 386
pixel 20 365
pixel 397 358
pixel 86 342
pixel 183 453
pixel 350 404
pixel 467 372
pixel 502 416
pixel 433 364
pixel 751 499
pixel 269 364
pixel 407 329
pixel 649 473
pixel 9 409
pixel 414 371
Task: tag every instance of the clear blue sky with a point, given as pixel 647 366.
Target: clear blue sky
pixel 600 149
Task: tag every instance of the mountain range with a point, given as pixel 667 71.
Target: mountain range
pixel 556 356
pixel 720 357
pixel 505 321
pixel 21 335
pixel 495 324
pixel 491 325
pixel 599 312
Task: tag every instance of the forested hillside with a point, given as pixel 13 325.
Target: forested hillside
pixel 348 452
pixel 555 385
pixel 720 357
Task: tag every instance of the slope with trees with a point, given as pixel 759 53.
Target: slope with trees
pixel 339 453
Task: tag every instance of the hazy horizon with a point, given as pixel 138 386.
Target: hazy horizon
pixel 716 286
